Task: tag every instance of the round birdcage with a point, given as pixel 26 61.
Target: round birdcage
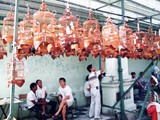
pixel 3 50
pixel 126 40
pixel 8 27
pixel 110 35
pixel 43 26
pixel 69 36
pixel 25 34
pixel 91 32
pixel 15 72
pixel 111 40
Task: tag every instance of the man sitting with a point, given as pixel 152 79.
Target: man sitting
pixel 32 100
pixel 41 93
pixel 141 83
pixel 65 98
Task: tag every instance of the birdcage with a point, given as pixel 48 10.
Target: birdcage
pixel 15 72
pixel 139 39
pixel 110 35
pixel 25 34
pixel 8 27
pixel 126 40
pixel 70 25
pixel 3 50
pixel 91 32
pixel 43 26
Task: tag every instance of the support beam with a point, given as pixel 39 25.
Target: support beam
pixel 120 71
pixel 144 104
pixel 133 11
pixel 143 6
pixel 107 4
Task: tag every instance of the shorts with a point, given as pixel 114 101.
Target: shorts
pixel 69 102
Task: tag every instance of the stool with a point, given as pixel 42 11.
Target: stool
pixel 69 111
pixel 75 103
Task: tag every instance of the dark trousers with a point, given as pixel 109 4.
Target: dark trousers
pixel 139 89
pixel 36 108
pixel 53 105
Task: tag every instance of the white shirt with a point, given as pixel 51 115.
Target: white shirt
pixel 30 97
pixel 67 91
pixel 93 79
pixel 41 92
pixel 86 91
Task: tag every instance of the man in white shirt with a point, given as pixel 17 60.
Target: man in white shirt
pixel 95 106
pixel 65 98
pixel 32 100
pixel 87 90
pixel 41 93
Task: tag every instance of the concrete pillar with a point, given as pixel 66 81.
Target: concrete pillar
pixel 110 85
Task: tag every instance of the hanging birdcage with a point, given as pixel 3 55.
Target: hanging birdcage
pixel 8 27
pixel 111 41
pixel 69 36
pixel 44 27
pixel 126 40
pixel 110 35
pixel 139 39
pixel 151 43
pixel 25 34
pixel 3 50
pixel 15 72
pixel 91 32
pixel 57 49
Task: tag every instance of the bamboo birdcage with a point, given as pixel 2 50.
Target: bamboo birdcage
pixel 15 72
pixel 70 36
pixel 91 32
pixel 3 50
pixel 25 34
pixel 44 27
pixel 8 27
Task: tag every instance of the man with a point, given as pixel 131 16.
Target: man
pixel 95 106
pixel 41 93
pixel 133 75
pixel 140 85
pixel 32 100
pixel 65 98
pixel 141 80
pixel 87 90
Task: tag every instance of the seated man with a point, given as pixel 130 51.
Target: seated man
pixel 41 93
pixel 140 85
pixel 65 98
pixel 32 101
pixel 133 75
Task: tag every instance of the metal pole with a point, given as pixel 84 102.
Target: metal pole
pixel 151 23
pixel 121 87
pixel 101 92
pixel 120 71
pixel 12 87
pixel 144 103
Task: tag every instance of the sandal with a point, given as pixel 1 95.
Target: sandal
pixel 55 117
